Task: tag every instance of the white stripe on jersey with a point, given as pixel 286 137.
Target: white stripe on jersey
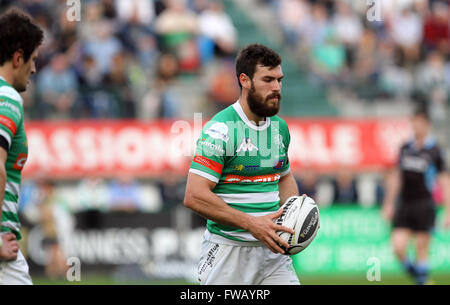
pixel 9 206
pixel 13 188
pixel 9 92
pixel 246 236
pixel 250 197
pixel 204 175
pixel 14 226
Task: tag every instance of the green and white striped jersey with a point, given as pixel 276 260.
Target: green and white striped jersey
pixel 246 161
pixel 12 129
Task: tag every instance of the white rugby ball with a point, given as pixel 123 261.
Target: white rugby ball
pixel 302 215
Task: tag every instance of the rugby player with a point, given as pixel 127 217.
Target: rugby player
pixel 240 176
pixel 20 39
pixel 420 166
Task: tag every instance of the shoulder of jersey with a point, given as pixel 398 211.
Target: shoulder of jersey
pixel 217 127
pixel 9 92
pixel 227 114
pixel 281 121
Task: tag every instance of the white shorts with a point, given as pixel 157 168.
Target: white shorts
pixel 15 272
pixel 228 262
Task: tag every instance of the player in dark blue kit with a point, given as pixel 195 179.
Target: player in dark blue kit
pixel 419 167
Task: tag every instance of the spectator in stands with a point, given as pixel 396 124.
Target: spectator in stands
pixel 88 72
pixel 103 46
pixel 344 185
pixel 294 17
pixel 176 25
pixel 407 31
pixel 364 65
pixel 161 100
pixel 319 27
pixel 216 26
pixel 347 24
pixel 135 11
pixel 91 194
pixel 147 52
pixel 49 44
pixel 437 28
pixel 92 16
pixel 431 73
pixel 431 83
pixel 328 61
pixel 307 182
pixel 57 87
pixel 66 35
pixel 118 83
pixel 395 79
pixel 124 194
pixel 224 89
pixel 172 188
pixel 177 28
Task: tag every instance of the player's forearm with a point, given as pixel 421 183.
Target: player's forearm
pixel 210 206
pixel 392 186
pixel 444 180
pixel 287 187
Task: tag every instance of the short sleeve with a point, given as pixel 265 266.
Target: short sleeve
pixel 210 152
pixel 10 113
pixel 285 166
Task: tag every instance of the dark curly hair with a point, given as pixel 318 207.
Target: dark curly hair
pixel 18 32
pixel 252 55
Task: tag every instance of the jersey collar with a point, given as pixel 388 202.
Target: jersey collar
pixel 428 143
pixel 237 106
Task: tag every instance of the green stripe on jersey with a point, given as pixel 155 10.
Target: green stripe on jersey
pixel 10 216
pixel 10 197
pixel 256 207
pixel 9 230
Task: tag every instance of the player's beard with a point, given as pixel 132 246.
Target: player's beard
pixel 262 106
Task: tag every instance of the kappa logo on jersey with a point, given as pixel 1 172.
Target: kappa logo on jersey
pixel 247 145
pixel 252 179
pixel 20 162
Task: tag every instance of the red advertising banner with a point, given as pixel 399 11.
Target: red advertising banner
pixel 147 149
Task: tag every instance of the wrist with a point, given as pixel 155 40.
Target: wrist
pixel 247 222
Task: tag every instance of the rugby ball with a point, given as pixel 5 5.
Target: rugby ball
pixel 302 215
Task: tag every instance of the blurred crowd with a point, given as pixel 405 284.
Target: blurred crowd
pixel 125 58
pixel 122 58
pixel 372 49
